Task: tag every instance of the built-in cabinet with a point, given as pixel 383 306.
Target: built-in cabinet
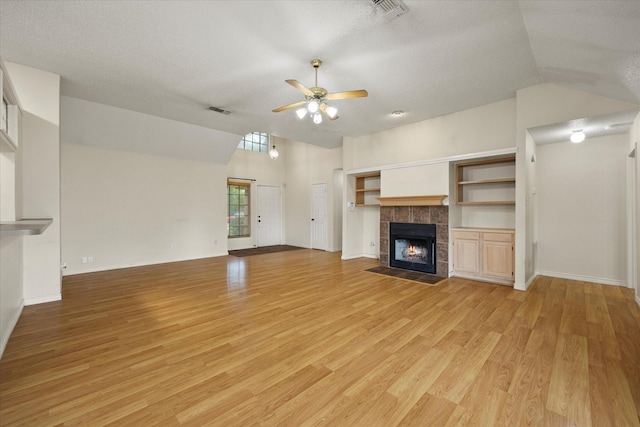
pixel 368 189
pixel 486 182
pixel 484 254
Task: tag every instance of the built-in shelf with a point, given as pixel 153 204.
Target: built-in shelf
pixel 436 200
pixel 24 227
pixel 486 182
pixel 367 189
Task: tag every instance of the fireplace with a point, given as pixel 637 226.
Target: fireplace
pixel 412 246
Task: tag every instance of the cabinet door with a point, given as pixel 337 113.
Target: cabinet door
pixel 497 259
pixel 466 256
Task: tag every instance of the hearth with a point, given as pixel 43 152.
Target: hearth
pixel 412 246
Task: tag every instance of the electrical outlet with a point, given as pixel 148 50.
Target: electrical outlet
pixel 373 243
pixel 90 259
pixel 173 245
pixel 84 259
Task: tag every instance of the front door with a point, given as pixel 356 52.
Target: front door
pixel 319 216
pixel 269 215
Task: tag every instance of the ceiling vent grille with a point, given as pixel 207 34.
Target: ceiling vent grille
pixel 219 110
pixel 391 8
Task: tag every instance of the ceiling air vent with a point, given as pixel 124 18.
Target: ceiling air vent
pixel 391 8
pixel 219 110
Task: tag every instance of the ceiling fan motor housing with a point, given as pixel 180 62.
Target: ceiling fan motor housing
pixel 318 93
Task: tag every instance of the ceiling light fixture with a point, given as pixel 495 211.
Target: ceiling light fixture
pixel 314 107
pixel 397 113
pixel 332 112
pixel 577 136
pixel 273 153
pixel 301 113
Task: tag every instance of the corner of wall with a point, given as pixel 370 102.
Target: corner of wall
pixel 6 332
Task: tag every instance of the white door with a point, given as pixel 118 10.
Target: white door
pixel 319 216
pixel 269 216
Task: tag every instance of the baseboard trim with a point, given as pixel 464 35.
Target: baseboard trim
pixel 519 287
pixel 10 327
pixel 120 267
pixel 577 277
pixel 42 300
pixel 638 299
pixel 348 257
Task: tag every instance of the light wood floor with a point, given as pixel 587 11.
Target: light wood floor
pixel 302 338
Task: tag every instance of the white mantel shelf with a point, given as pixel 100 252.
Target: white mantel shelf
pixel 24 227
pixel 436 200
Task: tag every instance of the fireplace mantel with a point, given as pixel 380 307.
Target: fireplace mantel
pixel 413 200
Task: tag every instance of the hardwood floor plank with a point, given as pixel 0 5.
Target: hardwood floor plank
pixel 305 338
pixel 569 388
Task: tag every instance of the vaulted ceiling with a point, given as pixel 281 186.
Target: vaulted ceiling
pixel 174 59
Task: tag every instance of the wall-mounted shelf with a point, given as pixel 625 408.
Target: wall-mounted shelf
pixel 436 200
pixel 24 227
pixel 486 182
pixel 367 189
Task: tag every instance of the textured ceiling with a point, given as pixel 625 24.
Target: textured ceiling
pixel 606 124
pixel 174 59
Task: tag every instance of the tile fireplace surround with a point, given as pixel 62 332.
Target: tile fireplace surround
pixel 438 215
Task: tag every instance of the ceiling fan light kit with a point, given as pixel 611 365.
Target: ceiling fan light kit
pixel 577 136
pixel 315 97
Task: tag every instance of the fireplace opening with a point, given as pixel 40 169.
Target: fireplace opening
pixel 412 246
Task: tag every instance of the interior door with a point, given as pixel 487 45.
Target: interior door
pixel 269 215
pixel 319 216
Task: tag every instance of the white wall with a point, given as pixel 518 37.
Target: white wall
pixel 263 170
pixel 486 128
pixel 581 224
pixel 633 207
pixel 39 93
pixel 8 187
pixel 432 179
pixel 99 125
pixel 11 286
pixel 336 230
pixel 126 209
pixel 305 165
pixel 298 167
pixel 536 106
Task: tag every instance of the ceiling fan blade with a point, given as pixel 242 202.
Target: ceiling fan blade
pixel 302 88
pixel 348 94
pixel 287 107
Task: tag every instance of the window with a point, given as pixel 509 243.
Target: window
pixel 255 141
pixel 238 219
pixel 4 123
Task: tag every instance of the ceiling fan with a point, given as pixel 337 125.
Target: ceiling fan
pixel 316 97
